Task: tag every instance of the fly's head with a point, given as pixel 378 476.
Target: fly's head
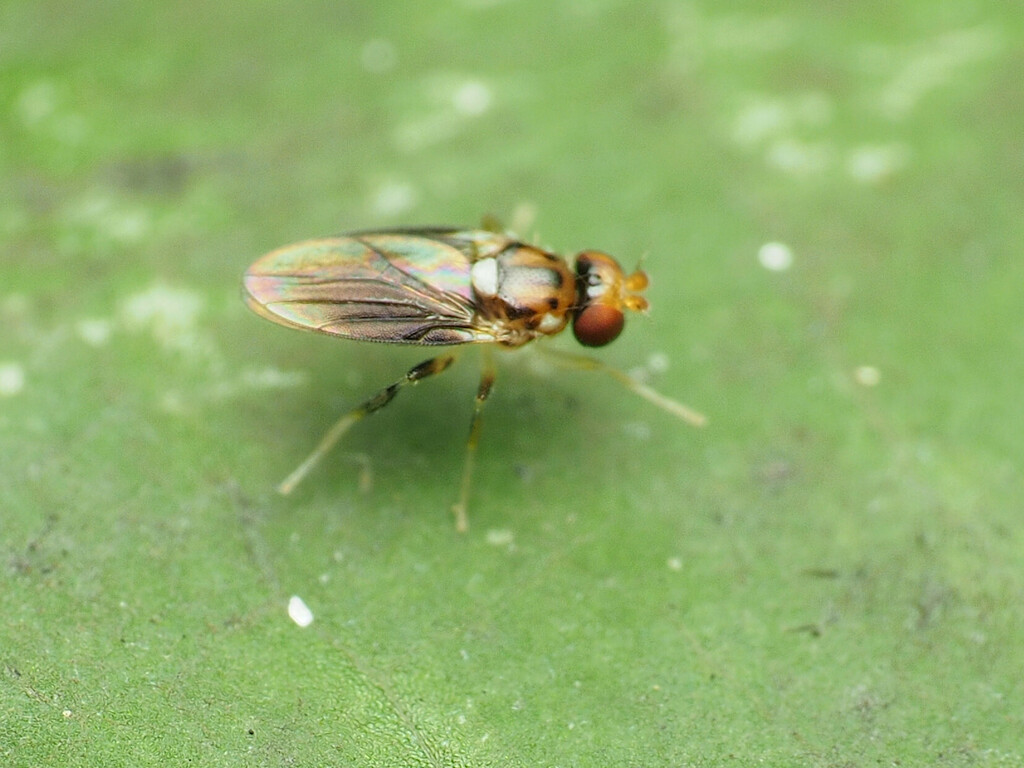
pixel 603 293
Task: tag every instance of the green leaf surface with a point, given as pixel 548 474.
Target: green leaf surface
pixel 828 200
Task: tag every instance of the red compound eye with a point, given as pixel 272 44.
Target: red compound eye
pixel 598 325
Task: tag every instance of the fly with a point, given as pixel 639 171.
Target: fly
pixel 439 287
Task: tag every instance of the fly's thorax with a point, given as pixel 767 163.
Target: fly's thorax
pixel 529 291
pixel 603 292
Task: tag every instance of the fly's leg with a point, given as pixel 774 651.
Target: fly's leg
pixel 375 403
pixel 585 363
pixel 492 223
pixel 482 393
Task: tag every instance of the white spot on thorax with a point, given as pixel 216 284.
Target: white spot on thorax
pixel 484 274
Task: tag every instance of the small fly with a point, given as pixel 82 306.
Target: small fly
pixel 437 287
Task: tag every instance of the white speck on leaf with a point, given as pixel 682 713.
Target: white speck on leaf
pixel 94 331
pixel 394 198
pixel 658 362
pixel 472 98
pixel 867 376
pixel 874 164
pixel 299 612
pixel 36 103
pixel 170 315
pixel 12 379
pixel 775 256
pixel 500 537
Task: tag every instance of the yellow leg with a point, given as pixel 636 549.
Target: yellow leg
pixel 585 363
pixel 375 403
pixel 482 393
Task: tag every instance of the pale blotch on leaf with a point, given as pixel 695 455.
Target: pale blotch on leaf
pixel 777 257
pixel 500 537
pixel 378 56
pixel 12 379
pixel 875 164
pixel 299 612
pixel 867 376
pixel 94 331
pixel 394 198
pixel 472 98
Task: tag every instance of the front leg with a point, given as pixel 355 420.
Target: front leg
pixel 585 363
pixel 487 376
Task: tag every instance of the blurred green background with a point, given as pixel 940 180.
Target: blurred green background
pixel 829 200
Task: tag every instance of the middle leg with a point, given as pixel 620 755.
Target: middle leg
pixel 487 376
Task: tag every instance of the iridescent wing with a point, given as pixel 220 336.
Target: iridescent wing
pixel 402 287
